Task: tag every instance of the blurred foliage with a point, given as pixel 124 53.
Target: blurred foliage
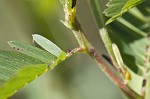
pixel 77 77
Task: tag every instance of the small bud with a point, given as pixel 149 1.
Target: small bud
pixel 127 76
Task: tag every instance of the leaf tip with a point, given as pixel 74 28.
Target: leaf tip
pixel 10 42
pixel 108 22
pixel 35 35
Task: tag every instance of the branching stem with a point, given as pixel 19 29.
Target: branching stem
pixel 103 66
pixel 72 23
pixel 90 50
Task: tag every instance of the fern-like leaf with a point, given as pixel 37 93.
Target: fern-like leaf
pixel 117 7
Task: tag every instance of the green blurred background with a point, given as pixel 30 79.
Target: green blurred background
pixel 76 78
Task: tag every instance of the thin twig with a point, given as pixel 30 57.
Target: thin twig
pixel 72 23
pixel 103 66
pixel 73 51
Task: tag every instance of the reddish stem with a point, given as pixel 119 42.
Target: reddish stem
pixel 103 66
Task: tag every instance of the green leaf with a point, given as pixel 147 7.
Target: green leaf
pixel 138 50
pixel 114 7
pixel 108 44
pixel 147 96
pixel 134 77
pixel 21 78
pixel 18 69
pixel 130 36
pixel 118 7
pixel 133 54
pixel 117 55
pixel 47 45
pixel 130 4
pixel 136 82
pixel 10 62
pixel 136 30
pixel 32 51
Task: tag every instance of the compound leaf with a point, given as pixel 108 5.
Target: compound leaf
pixel 117 7
pixel 18 69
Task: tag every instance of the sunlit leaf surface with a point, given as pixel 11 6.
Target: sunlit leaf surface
pixel 18 69
pixel 21 78
pixel 32 51
pixel 47 45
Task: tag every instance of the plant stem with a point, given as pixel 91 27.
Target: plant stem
pixel 103 66
pixel 90 50
pixel 79 35
pixel 72 23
